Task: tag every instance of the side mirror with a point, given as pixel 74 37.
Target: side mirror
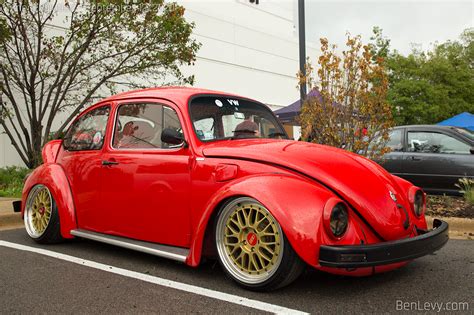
pixel 172 136
pixel 472 150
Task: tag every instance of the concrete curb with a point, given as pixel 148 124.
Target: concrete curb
pixel 459 228
pixel 8 218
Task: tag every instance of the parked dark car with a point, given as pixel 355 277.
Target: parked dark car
pixel 432 157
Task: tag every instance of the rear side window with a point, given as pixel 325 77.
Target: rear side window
pixel 139 126
pixel 433 142
pixel 88 132
pixel 395 140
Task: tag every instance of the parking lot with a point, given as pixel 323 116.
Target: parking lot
pixel 33 281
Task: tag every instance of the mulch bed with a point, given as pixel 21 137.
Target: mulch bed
pixel 447 206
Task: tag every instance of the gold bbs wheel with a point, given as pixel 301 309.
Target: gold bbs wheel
pixel 38 211
pixel 249 241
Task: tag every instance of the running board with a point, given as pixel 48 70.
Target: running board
pixel 170 252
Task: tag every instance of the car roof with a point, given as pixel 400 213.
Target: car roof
pixel 178 94
pixel 424 126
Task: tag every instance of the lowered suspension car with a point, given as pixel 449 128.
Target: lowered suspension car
pixel 187 173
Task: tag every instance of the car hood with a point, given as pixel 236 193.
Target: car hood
pixel 362 183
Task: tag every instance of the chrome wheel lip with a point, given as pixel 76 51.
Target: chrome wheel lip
pixel 28 215
pixel 222 251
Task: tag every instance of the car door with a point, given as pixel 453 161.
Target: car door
pixel 436 160
pixel 393 160
pixel 146 182
pixel 80 156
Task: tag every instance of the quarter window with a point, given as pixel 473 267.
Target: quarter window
pixel 433 142
pixel 88 132
pixel 139 126
pixel 395 140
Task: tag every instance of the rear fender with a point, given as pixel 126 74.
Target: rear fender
pixel 50 151
pixel 54 178
pixel 296 203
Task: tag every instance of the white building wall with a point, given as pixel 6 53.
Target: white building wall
pixel 247 49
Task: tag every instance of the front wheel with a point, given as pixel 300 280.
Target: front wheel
pixel 41 216
pixel 252 247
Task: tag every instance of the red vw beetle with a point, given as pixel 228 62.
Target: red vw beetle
pixel 185 173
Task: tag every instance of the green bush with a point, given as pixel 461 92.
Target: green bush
pixel 11 181
pixel 467 189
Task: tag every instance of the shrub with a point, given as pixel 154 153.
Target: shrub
pixel 467 189
pixel 11 181
pixel 351 111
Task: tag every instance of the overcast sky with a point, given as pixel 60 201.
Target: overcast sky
pixel 403 21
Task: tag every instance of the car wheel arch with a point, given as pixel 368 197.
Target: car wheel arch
pixel 54 178
pixel 301 227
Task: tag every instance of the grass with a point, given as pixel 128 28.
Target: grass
pixel 467 189
pixel 11 181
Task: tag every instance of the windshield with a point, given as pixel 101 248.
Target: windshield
pixel 221 117
pixel 466 132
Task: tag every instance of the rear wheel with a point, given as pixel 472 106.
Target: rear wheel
pixel 41 216
pixel 252 247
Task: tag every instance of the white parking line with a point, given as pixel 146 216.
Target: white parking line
pixel 235 299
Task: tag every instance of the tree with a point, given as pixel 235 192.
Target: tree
pixel 4 36
pixel 428 87
pixel 380 46
pixel 352 112
pixel 105 44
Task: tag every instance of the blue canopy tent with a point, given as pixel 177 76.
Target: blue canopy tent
pixel 464 120
pixel 290 113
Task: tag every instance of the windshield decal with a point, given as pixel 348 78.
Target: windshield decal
pixel 233 102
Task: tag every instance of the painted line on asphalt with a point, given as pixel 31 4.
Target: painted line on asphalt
pixel 226 297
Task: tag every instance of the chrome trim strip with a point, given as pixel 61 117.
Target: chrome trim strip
pixel 170 252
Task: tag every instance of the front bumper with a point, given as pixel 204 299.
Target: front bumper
pixel 387 252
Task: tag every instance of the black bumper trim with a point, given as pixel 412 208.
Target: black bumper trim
pixel 386 252
pixel 16 206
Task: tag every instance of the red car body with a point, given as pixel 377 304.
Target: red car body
pixel 171 197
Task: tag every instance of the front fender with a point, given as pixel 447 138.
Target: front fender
pixel 53 177
pixel 296 203
pixel 409 188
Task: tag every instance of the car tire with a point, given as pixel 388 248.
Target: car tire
pixel 41 216
pixel 252 248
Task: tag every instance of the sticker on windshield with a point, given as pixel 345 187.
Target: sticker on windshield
pixel 218 103
pixel 233 102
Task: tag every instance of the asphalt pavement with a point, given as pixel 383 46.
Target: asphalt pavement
pixel 34 283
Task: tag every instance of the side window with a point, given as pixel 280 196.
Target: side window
pixel 433 142
pixel 88 132
pixel 395 140
pixel 139 126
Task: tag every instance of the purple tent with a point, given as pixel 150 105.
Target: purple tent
pixel 290 113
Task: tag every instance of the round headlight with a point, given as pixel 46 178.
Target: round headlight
pixel 418 203
pixel 339 219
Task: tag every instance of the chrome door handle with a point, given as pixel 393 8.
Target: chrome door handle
pixel 106 163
